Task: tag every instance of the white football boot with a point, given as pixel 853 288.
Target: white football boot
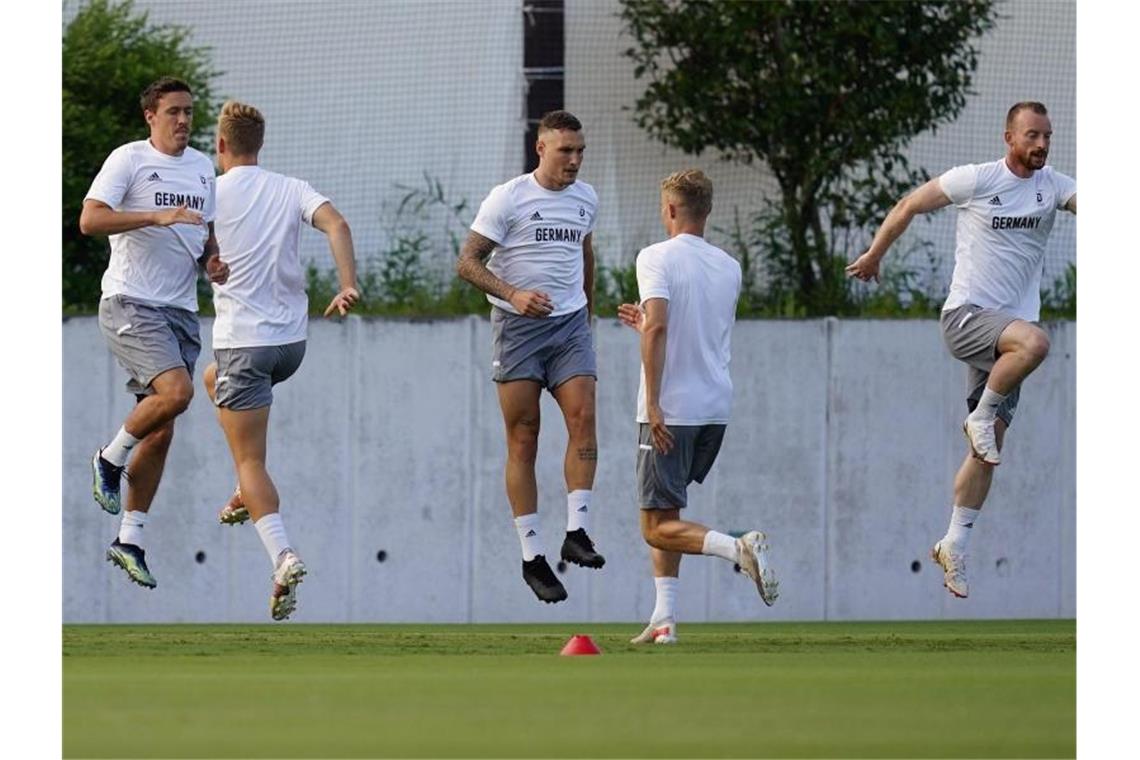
pixel 954 570
pixel 289 572
pixel 752 556
pixel 983 439
pixel 661 632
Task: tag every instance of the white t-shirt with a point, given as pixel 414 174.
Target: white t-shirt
pixel 701 283
pixel 539 233
pixel 1003 224
pixel 263 303
pixel 157 265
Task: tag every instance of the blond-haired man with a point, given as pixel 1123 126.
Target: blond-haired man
pixel 154 199
pixel 262 320
pixel 537 230
pixel 688 289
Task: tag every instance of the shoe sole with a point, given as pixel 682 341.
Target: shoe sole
pixel 116 559
pixel 558 597
pixel 751 568
pixel 293 577
pixel 107 506
pixel 281 607
pixel 233 516
pixel 974 449
pixel 553 600
pixel 582 563
pixel 934 556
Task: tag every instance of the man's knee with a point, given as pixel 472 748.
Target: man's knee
pixel 522 439
pixel 208 379
pixel 180 396
pixel 580 420
pixel 654 527
pixel 649 532
pixel 1028 340
pixel 1037 344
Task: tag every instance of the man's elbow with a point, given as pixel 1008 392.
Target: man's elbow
pixel 905 210
pixel 337 228
pixel 85 224
pixel 461 267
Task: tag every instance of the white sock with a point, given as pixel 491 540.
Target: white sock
pixel 578 510
pixel 131 527
pixel 720 545
pixel 666 599
pixel 988 404
pixel 117 451
pixel 527 526
pixel 961 523
pixel 271 528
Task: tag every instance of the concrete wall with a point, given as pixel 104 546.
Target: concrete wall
pixel 843 447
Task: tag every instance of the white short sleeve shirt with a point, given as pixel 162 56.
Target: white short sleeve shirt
pixel 539 233
pixel 1003 225
pixel 260 213
pixel 702 284
pixel 157 265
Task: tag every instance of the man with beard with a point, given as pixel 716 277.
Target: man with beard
pixel 1005 214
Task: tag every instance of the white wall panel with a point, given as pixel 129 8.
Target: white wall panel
pixel 844 441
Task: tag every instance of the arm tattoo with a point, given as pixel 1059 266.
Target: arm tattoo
pixel 588 454
pixel 473 268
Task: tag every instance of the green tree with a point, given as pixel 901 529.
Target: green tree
pixel 826 94
pixel 110 54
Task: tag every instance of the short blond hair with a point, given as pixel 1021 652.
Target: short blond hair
pixel 243 128
pixel 690 188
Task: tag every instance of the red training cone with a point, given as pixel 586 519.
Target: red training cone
pixel 580 645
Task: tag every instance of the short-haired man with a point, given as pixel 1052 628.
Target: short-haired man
pixel 688 289
pixel 154 198
pixel 1005 214
pixel 540 282
pixel 262 320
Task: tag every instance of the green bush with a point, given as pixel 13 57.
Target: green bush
pixel 1060 300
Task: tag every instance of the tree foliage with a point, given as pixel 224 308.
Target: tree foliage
pixel 110 54
pixel 826 94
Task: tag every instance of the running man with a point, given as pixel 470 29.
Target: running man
pixel 688 289
pixel 154 199
pixel 540 282
pixel 262 321
pixel 1005 214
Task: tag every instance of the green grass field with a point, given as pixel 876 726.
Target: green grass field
pixel 931 689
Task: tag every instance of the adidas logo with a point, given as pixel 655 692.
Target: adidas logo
pixel 995 201
pixel 530 534
pixel 536 217
pixel 154 177
pixel 583 508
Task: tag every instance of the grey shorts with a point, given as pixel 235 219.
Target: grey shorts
pixel 246 376
pixel 548 350
pixel 663 479
pixel 149 340
pixel 971 333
